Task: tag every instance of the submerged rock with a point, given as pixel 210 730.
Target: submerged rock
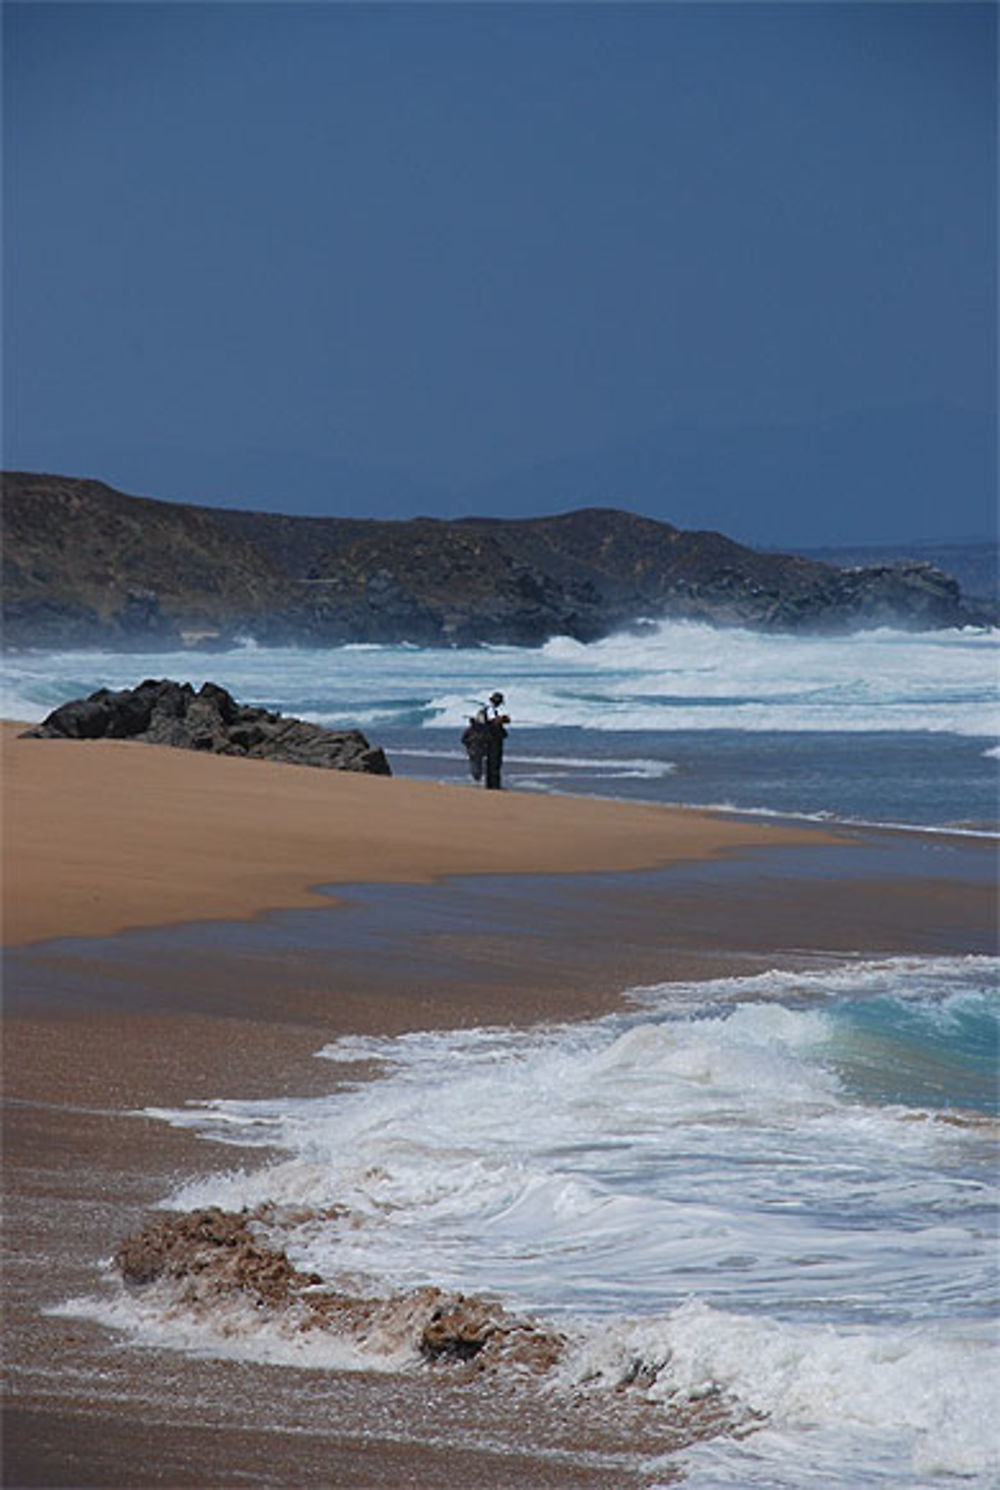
pixel 162 712
pixel 208 1241
pixel 224 1269
pixel 212 1256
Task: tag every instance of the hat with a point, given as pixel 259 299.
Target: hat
pixel 496 698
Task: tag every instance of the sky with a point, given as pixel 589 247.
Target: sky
pixel 729 265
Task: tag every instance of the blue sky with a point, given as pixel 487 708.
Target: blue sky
pixel 731 265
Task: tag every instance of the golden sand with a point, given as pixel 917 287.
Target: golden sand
pixel 103 835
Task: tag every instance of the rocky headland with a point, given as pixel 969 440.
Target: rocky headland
pixel 162 712
pixel 86 565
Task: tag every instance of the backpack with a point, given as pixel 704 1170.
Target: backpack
pixel 475 738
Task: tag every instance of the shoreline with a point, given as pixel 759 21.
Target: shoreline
pixel 101 1026
pixel 100 836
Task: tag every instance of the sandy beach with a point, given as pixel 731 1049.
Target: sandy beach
pixel 205 961
pixel 102 835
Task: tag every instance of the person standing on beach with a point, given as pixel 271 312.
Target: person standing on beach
pixel 494 727
pixel 483 741
pixel 496 732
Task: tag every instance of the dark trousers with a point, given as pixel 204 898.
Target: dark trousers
pixel 494 760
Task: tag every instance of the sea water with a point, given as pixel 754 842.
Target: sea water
pixel 783 1187
pixel 881 726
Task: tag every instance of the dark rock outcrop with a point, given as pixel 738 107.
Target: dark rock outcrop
pixel 162 712
pixel 87 565
pixel 974 564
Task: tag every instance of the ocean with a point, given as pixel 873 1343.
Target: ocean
pixel 779 1190
pixel 880 726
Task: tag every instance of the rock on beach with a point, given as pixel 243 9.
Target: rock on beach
pixel 162 712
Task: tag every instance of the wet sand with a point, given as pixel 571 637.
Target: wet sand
pixel 102 1025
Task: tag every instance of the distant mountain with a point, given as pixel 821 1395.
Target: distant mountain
pixel 975 564
pixel 84 564
pixel 855 476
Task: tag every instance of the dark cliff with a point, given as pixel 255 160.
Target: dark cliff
pixel 85 564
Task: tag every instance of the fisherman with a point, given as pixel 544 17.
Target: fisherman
pixel 483 739
pixel 496 733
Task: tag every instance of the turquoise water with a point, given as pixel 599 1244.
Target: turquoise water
pixel 942 1055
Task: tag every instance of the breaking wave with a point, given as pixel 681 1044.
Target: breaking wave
pixel 771 1196
pixel 672 676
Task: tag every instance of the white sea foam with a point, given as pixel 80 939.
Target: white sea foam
pixel 872 1393
pixel 673 676
pixel 916 978
pixel 627 767
pixel 627 1151
pixel 638 705
pixel 788 1372
pixel 235 1329
pixel 949 830
pixel 711 1192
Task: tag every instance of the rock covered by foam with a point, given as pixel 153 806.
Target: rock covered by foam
pixel 222 1272
pixel 211 1256
pixel 162 712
